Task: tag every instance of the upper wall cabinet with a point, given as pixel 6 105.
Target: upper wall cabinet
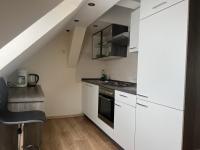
pixel 111 42
pixel 134 31
pixel 96 45
pixel 149 7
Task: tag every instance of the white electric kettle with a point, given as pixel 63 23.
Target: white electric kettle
pixel 21 78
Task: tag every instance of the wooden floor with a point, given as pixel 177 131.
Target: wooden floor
pixel 77 133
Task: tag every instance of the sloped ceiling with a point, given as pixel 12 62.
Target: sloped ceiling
pixel 117 15
pixel 86 16
pixel 41 31
pixel 131 4
pixel 17 15
pixel 30 24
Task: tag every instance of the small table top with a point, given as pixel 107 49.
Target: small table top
pixel 26 94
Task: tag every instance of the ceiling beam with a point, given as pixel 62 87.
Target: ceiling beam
pixel 76 45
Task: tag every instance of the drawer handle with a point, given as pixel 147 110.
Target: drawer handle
pixel 142 96
pixel 123 96
pixel 88 85
pixel 159 5
pixel 118 105
pixel 132 47
pixel 142 105
pixel 104 98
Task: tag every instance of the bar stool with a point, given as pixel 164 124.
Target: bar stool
pixel 17 118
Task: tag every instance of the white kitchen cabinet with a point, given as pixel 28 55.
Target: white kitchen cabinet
pixel 105 128
pixel 150 7
pixel 134 31
pixel 125 98
pixel 158 127
pixel 162 56
pixel 124 120
pixel 90 101
pixel 124 125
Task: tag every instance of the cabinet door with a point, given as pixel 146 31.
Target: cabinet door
pixel 158 127
pixel 85 98
pixel 93 102
pixel 124 125
pixel 134 31
pixel 149 7
pixel 96 45
pixel 90 101
pixel 162 56
pixel 107 36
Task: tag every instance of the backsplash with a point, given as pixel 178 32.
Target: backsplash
pixel 124 69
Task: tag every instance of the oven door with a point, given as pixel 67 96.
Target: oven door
pixel 106 109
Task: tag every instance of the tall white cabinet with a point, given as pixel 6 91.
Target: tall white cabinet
pixel 134 31
pixel 162 56
pixel 161 75
pixel 124 122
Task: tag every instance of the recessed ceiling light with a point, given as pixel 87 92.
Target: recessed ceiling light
pixel 91 4
pixel 95 25
pixel 76 20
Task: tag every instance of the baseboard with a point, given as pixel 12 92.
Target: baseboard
pixel 64 116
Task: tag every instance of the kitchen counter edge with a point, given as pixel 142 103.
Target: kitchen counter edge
pixel 130 90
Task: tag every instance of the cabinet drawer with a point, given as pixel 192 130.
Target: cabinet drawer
pixel 149 7
pixel 126 98
pixel 18 107
pixel 134 31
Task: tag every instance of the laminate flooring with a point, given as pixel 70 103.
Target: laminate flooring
pixel 75 133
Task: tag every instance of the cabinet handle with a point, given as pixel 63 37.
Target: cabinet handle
pixel 118 105
pixel 132 47
pixel 104 98
pixel 123 96
pixel 159 5
pixel 88 85
pixel 142 96
pixel 142 105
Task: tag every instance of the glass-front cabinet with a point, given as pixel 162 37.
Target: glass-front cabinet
pixel 106 44
pixel 96 44
pixel 111 42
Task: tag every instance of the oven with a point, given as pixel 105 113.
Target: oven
pixel 106 106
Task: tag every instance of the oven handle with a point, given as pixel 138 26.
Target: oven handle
pixel 107 99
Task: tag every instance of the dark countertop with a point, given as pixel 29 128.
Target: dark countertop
pixel 130 89
pixel 25 94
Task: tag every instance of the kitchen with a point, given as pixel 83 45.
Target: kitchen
pixel 110 81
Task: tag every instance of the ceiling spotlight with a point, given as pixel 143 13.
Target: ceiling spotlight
pixel 91 4
pixel 76 20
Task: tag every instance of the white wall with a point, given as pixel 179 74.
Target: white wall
pixel 62 84
pixel 62 90
pixel 124 69
pixel 29 41
pixel 88 68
